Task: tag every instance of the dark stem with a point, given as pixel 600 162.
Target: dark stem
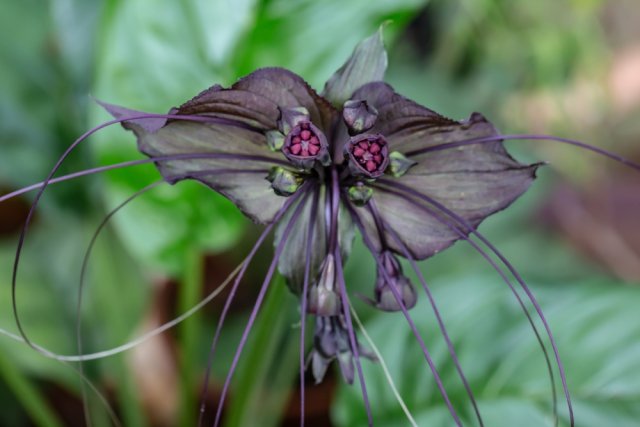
pixel 257 305
pixel 122 165
pixel 470 229
pixel 83 270
pixel 335 200
pixel 303 303
pixel 233 291
pixel 373 209
pixel 45 183
pixel 335 207
pixel 496 138
pixel 405 312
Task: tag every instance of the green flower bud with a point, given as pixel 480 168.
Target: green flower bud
pixel 360 194
pixel 284 182
pixel 399 164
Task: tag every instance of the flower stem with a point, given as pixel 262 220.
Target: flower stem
pixel 188 295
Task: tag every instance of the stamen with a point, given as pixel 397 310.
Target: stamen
pixel 305 144
pixel 368 155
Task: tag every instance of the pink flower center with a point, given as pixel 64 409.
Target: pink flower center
pixel 368 153
pixel 304 141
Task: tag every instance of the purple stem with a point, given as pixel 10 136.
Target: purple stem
pixel 232 294
pixel 256 307
pixel 335 207
pixel 303 303
pixel 511 269
pixel 405 251
pixel 407 316
pixel 495 138
pixel 83 271
pixel 45 183
pixel 135 163
pixel 495 267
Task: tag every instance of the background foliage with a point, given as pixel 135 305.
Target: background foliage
pixel 562 67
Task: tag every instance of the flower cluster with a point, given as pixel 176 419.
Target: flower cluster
pixel 316 167
pixel 350 157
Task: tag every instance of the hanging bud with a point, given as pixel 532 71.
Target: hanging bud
pixel 399 164
pixel 291 117
pixel 390 274
pixel 359 116
pixel 305 145
pixel 283 181
pixel 368 155
pixel 360 193
pixel 323 298
pixel 331 341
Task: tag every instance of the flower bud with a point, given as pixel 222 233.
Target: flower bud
pixel 323 298
pixel 399 164
pixel 284 182
pixel 368 155
pixel 305 145
pixel 360 193
pixel 275 140
pixel 359 116
pixel 331 341
pixel 390 274
pixel 291 117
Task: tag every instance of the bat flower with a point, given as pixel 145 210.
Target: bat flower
pixel 317 167
pixel 314 168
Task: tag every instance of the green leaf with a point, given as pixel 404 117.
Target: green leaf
pixel 313 38
pixel 367 64
pixel 595 328
pixel 155 55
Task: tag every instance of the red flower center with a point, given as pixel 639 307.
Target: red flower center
pixel 369 152
pixel 304 141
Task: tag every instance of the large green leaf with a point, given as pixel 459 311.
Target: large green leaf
pixel 154 56
pixel 315 38
pixel 597 333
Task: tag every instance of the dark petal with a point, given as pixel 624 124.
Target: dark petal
pixel 240 117
pixel 251 192
pixel 319 366
pixel 472 194
pixel 367 63
pixel 409 126
pixel 475 181
pixel 147 125
pixel 256 99
pixel 292 262
pixel 359 116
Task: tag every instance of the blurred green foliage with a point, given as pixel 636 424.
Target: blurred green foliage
pixel 453 56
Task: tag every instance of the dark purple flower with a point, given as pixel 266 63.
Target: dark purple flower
pixel 346 157
pixel 316 167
